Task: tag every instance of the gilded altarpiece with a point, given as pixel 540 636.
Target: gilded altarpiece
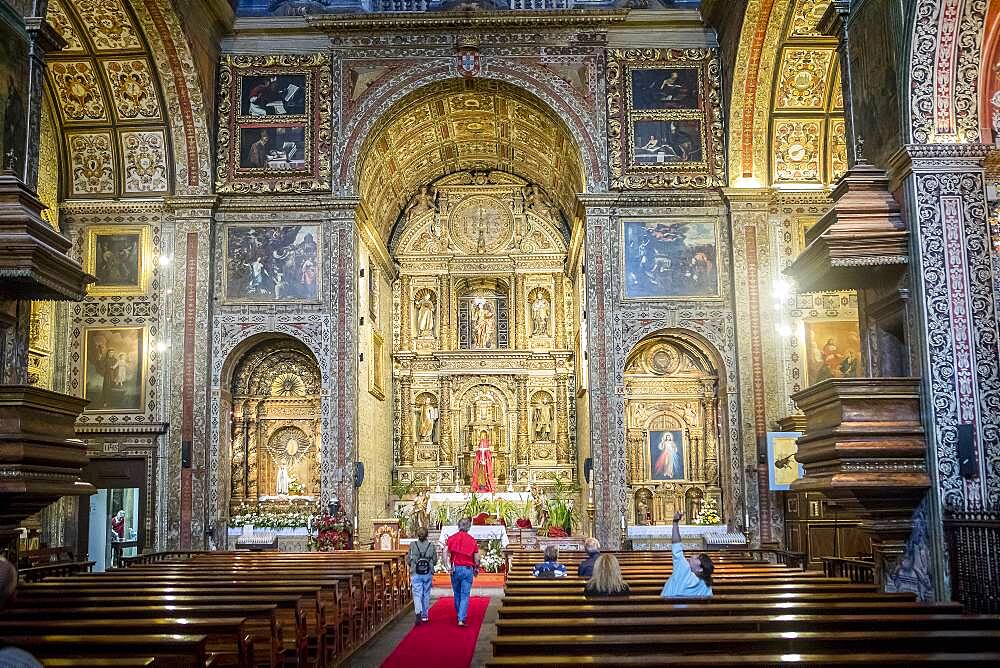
pixel 672 438
pixel 482 308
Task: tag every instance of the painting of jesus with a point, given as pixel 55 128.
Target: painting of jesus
pixel 666 455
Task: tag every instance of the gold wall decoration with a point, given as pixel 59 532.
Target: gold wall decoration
pixel 120 257
pixel 664 119
pixel 452 126
pixel 275 124
pixel 376 380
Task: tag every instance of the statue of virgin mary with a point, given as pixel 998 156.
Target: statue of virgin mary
pixel 482 466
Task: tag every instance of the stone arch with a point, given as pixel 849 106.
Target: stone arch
pixel 561 98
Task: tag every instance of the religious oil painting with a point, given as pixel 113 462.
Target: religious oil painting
pixel 666 455
pixel 13 91
pixel 665 88
pixel 671 260
pixel 783 467
pixel 658 142
pixel 113 364
pixel 276 94
pixel 275 149
pixel 833 350
pixel 117 258
pixel 272 263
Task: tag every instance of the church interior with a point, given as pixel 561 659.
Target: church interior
pixel 283 282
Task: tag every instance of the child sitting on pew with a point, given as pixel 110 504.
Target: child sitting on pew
pixel 550 568
pixel 692 576
pixel 607 579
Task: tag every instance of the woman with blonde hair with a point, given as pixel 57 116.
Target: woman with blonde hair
pixel 607 578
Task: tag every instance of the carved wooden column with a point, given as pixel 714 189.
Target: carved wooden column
pixel 406 308
pixel 444 435
pixel 635 450
pixel 406 422
pixel 562 421
pixel 559 312
pixel 711 441
pixel 445 335
pixel 452 343
pixel 522 455
pixel 517 302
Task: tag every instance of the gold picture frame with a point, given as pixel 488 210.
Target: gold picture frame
pixel 114 369
pixel 252 250
pixel 376 375
pixel 120 257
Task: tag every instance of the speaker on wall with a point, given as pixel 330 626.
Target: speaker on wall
pixel 359 473
pixel 967 467
pixel 588 468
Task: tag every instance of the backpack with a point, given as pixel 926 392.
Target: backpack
pixel 422 566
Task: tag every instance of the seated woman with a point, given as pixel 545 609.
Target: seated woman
pixel 550 568
pixel 607 578
pixel 692 576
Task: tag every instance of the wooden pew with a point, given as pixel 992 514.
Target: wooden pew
pixel 171 651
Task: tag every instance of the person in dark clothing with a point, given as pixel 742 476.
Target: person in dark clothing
pixel 593 548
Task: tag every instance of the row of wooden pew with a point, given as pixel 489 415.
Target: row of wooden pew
pixel 188 610
pixel 761 614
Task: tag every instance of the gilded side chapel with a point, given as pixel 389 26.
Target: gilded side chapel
pixel 602 259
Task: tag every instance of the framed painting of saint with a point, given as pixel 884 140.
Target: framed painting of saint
pixel 667 259
pixel 118 257
pixel 272 263
pixel 666 455
pixel 14 92
pixel 274 94
pixel 666 88
pixel 833 350
pixel 274 149
pixel 114 369
pixel 657 142
pixel 783 468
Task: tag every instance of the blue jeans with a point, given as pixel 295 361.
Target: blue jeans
pixel 461 584
pixel 421 585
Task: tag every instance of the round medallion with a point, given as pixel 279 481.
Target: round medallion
pixel 664 360
pixel 481 224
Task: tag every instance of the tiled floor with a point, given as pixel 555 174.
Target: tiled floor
pixel 376 651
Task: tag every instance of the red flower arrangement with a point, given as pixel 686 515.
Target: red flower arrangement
pixel 482 519
pixel 330 533
pixel 523 523
pixel 557 532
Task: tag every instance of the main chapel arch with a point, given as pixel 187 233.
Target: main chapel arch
pixel 472 186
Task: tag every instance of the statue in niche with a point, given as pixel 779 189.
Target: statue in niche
pixel 420 509
pixel 543 420
pixel 425 314
pixel 642 514
pixel 541 506
pixel 484 325
pixel 428 417
pixel 483 479
pixel 425 200
pixel 691 415
pixel 281 486
pixel 540 314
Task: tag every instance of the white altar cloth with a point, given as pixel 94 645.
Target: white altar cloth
pixel 483 532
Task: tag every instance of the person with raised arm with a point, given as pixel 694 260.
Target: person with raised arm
pixel 692 576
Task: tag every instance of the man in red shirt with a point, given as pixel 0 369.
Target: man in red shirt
pixel 463 555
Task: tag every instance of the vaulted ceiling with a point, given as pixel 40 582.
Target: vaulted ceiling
pixel 107 103
pixel 459 125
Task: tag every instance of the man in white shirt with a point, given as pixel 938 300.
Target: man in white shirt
pixel 692 576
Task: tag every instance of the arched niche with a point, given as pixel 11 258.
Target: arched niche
pixel 275 425
pixel 672 412
pixel 483 314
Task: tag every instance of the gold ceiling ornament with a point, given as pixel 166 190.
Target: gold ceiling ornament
pixel 481 224
pixel 457 125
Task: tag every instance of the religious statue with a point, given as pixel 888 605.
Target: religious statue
pixel 483 479
pixel 424 200
pixel 540 315
pixel 428 416
pixel 536 200
pixel 484 325
pixel 281 486
pixel 642 516
pixel 541 506
pixel 420 509
pixel 543 421
pixel 425 314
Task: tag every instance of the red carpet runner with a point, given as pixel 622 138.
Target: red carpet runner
pixel 441 643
